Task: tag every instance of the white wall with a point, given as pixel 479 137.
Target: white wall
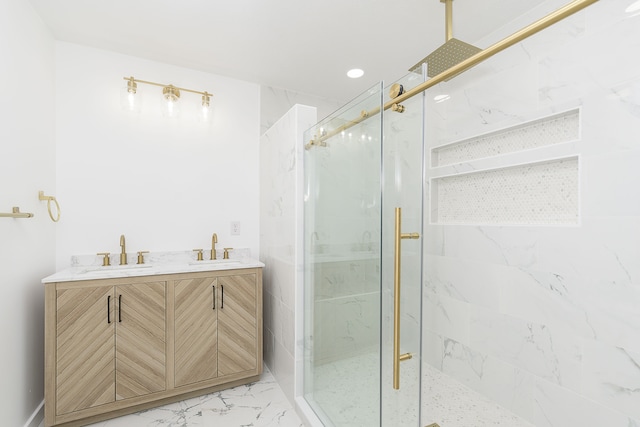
pixel 27 165
pixel 281 182
pixel 166 184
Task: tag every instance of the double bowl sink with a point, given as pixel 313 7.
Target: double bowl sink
pixel 150 269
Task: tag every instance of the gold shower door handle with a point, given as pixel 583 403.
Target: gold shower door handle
pixel 397 357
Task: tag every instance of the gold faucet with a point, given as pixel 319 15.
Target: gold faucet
pixel 123 252
pixel 214 240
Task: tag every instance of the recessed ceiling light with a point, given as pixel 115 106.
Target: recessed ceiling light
pixel 355 73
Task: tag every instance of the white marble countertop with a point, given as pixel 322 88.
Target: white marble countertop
pixel 89 267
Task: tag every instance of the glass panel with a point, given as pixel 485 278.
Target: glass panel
pixel 402 188
pixel 342 264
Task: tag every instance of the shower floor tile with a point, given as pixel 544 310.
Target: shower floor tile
pixel 351 403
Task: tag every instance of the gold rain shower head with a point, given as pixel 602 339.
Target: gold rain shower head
pixel 451 53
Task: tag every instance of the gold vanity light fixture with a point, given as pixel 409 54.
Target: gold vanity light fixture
pixel 170 97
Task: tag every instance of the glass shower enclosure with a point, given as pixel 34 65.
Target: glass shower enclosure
pixel 516 251
pixel 363 201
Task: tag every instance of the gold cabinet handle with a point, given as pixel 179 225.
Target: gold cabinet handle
pixel 397 357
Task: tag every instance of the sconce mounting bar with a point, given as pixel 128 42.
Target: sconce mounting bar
pixel 164 85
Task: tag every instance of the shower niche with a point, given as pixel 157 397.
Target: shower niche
pixel 482 180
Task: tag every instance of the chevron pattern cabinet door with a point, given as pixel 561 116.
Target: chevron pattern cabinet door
pixel 196 336
pixel 140 339
pixel 237 324
pixel 84 348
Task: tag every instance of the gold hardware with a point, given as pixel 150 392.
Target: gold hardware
pixel 15 213
pixel 396 90
pixel 214 240
pixel 433 425
pixel 132 83
pixel 364 113
pixel 132 87
pixel 106 261
pixel 397 357
pixel 448 30
pixel 141 256
pixel 206 99
pixel 49 199
pixel 318 142
pixel 517 37
pixel 199 251
pixel 123 251
pixel 171 93
pixel 452 52
pixel 226 253
pixel 397 107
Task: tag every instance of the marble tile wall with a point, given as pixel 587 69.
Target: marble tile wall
pixel 346 308
pixel 276 102
pixel 545 321
pixel 280 230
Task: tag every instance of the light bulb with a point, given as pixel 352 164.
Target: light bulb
pixel 206 111
pixel 170 105
pixel 130 99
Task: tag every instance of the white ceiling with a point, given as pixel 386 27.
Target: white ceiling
pixel 302 45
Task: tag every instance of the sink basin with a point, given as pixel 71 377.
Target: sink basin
pixel 106 269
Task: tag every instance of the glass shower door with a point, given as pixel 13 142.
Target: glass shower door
pixel 402 173
pixel 342 215
pixel 363 219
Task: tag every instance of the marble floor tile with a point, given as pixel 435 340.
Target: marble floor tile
pixel 263 404
pixel 259 404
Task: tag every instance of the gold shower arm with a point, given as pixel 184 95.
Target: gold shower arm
pixel 517 37
pixel 448 30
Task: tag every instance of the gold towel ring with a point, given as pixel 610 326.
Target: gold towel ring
pixel 41 196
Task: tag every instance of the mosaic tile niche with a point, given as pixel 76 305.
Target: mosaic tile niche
pixel 555 129
pixel 544 193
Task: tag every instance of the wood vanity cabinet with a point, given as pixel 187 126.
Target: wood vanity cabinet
pixel 91 323
pixel 117 346
pixel 216 334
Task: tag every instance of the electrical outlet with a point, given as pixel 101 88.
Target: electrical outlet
pixel 235 228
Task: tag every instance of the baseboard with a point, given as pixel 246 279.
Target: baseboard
pixel 37 417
